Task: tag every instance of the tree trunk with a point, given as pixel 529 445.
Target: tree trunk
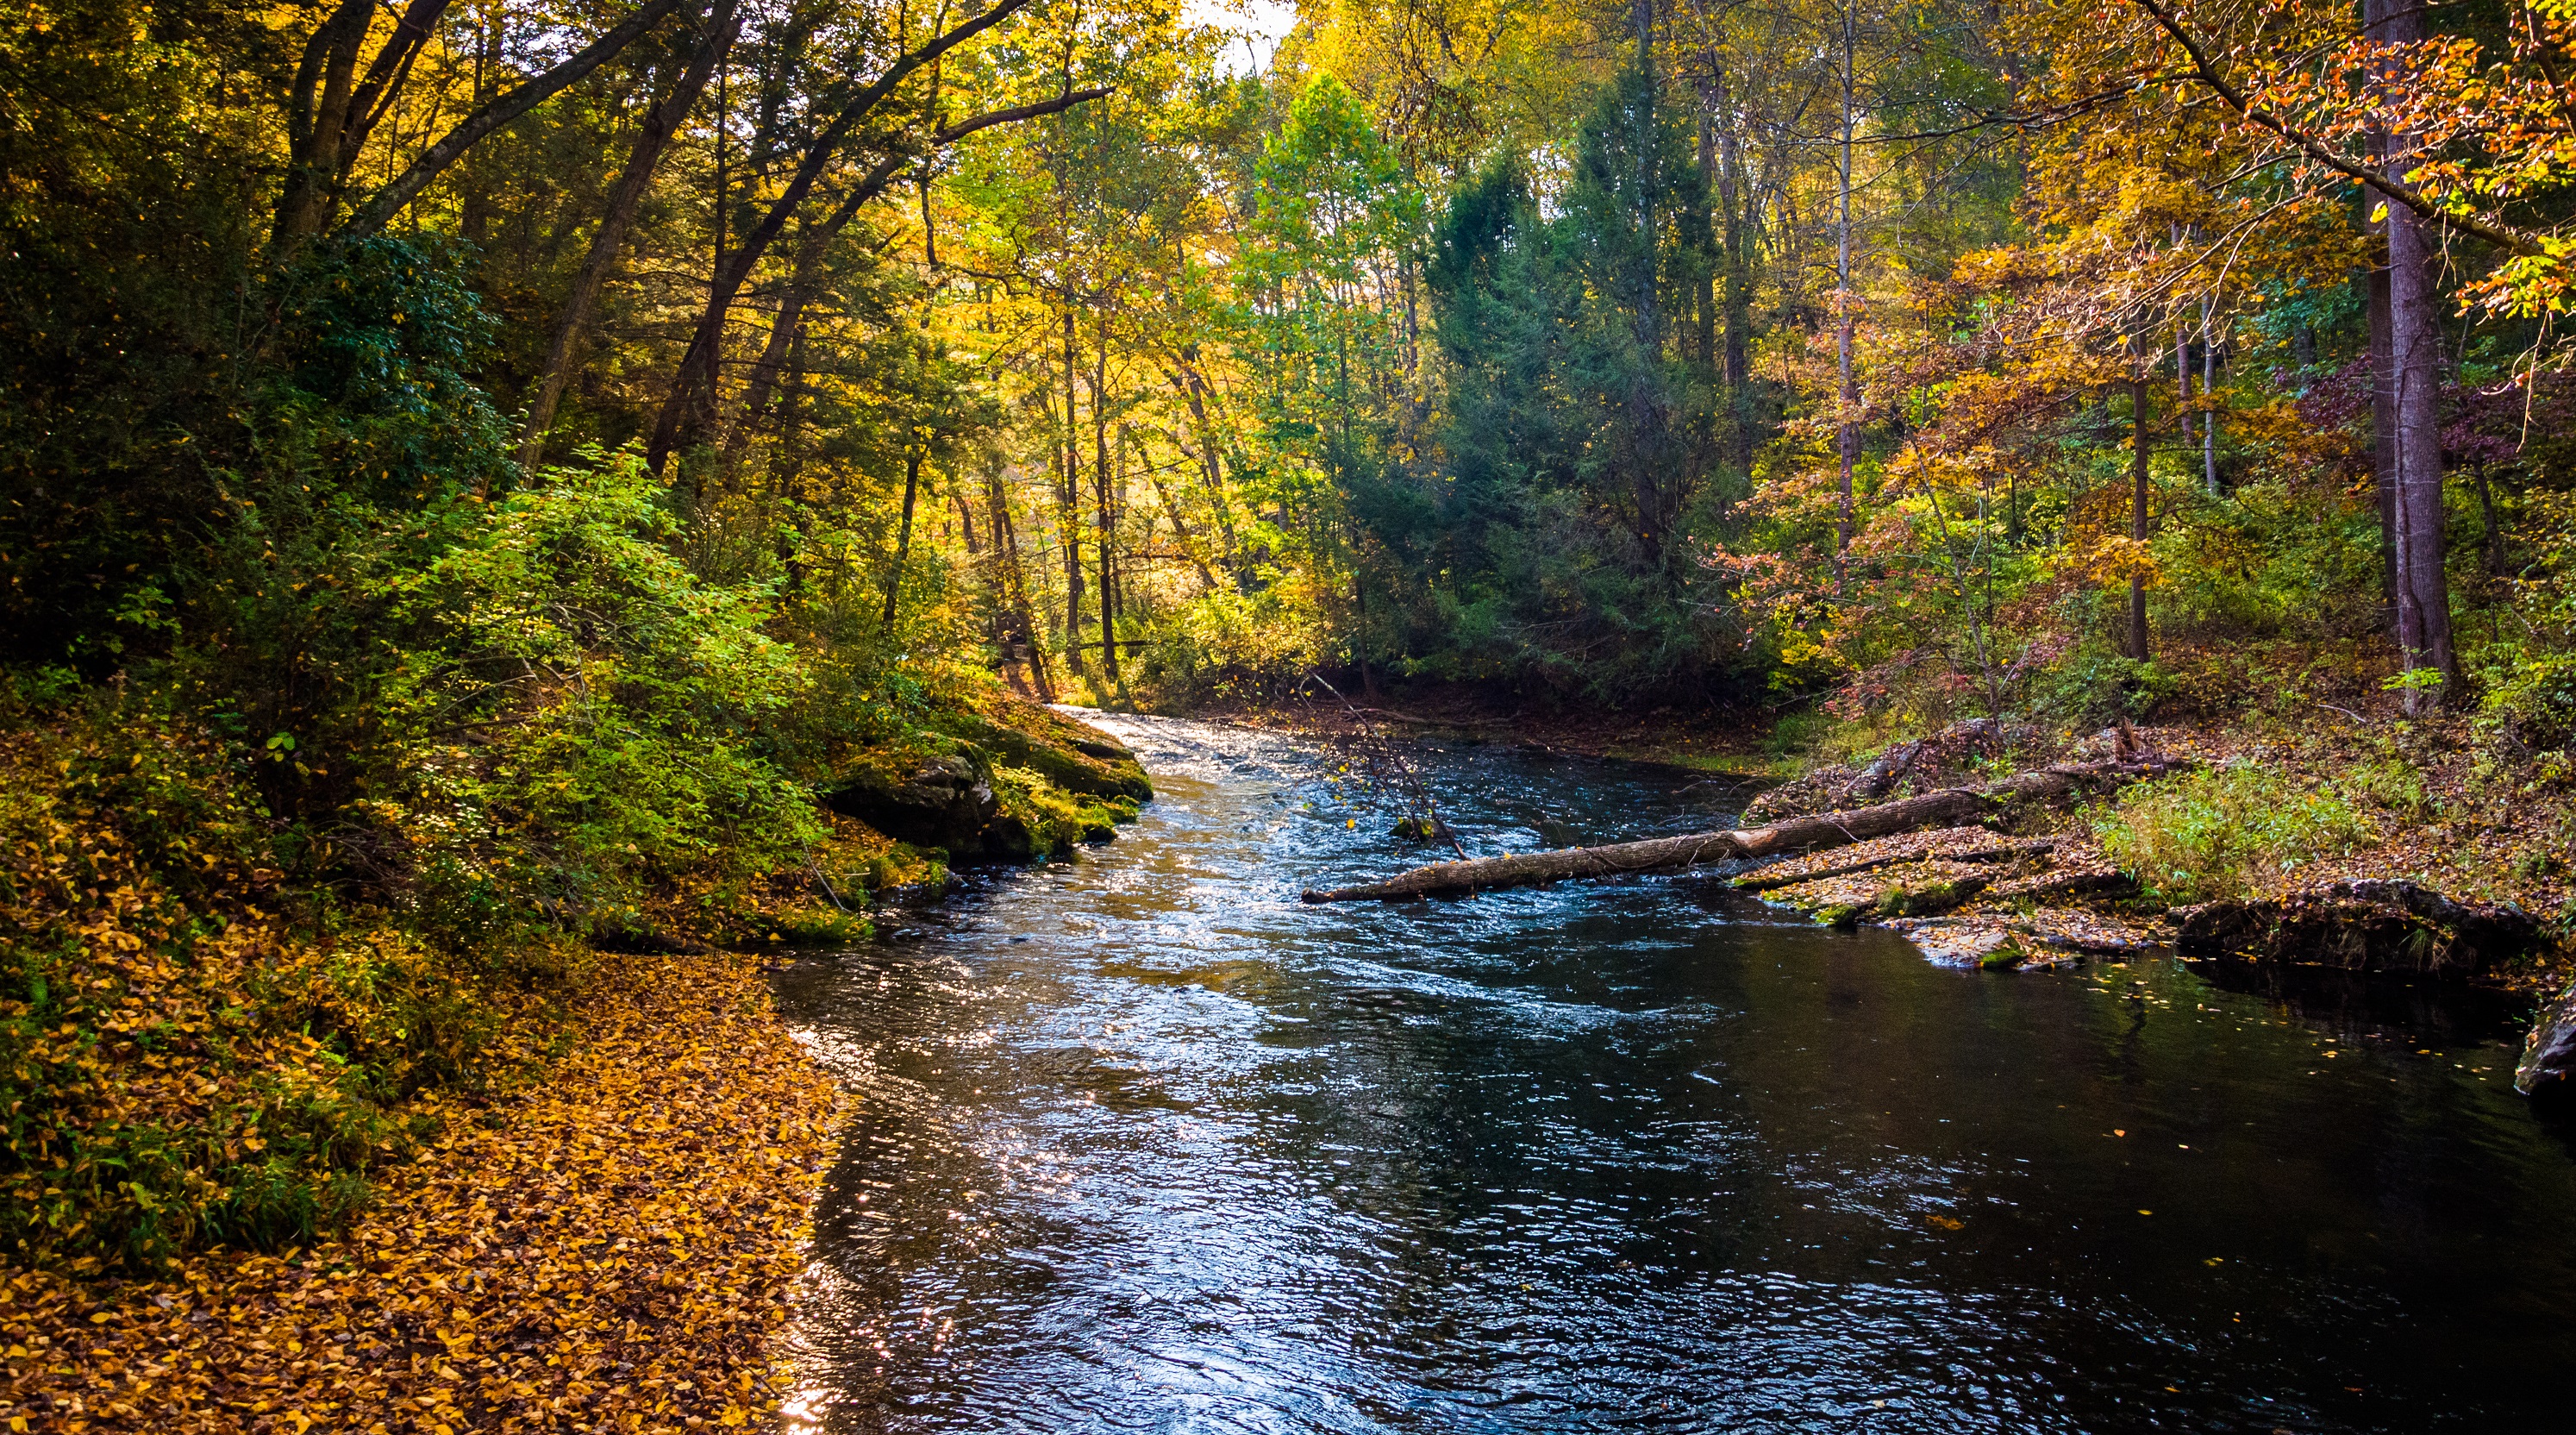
pixel 1006 547
pixel 1949 807
pixel 1104 491
pixel 2182 379
pixel 625 199
pixel 1739 302
pixel 2209 396
pixel 2137 634
pixel 1193 391
pixel 1847 439
pixel 1069 503
pixel 903 535
pixel 1704 286
pixel 2383 440
pixel 2415 344
pixel 317 123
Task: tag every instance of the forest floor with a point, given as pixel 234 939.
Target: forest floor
pixel 2443 814
pixel 610 1248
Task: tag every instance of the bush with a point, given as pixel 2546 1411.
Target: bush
pixel 2226 831
pixel 178 1063
pixel 2530 699
pixel 2093 687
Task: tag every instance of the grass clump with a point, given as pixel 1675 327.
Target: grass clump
pixel 2226 832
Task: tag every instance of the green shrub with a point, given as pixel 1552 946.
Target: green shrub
pixel 2093 687
pixel 2226 831
pixel 2530 698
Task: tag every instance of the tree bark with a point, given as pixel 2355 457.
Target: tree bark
pixel 1949 807
pixel 1006 545
pixel 329 118
pixel 2209 396
pixel 625 199
pixel 317 122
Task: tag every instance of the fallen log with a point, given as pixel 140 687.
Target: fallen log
pixel 1948 807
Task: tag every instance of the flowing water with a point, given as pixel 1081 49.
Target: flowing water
pixel 1143 1144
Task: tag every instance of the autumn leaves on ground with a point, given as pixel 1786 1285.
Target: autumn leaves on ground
pixel 279 1159
pixel 534 1186
pixel 608 1248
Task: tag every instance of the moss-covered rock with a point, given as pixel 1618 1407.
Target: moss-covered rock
pixel 1012 783
pixel 1071 755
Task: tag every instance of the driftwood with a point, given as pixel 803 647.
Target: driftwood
pixel 1948 807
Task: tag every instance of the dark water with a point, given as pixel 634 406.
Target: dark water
pixel 1146 1145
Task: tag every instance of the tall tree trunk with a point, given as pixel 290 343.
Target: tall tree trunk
pixel 2182 378
pixel 2415 334
pixel 2383 437
pixel 1847 395
pixel 1104 487
pixel 1704 285
pixel 329 118
pixel 625 200
pixel 2137 634
pixel 2415 344
pixel 1069 501
pixel 2209 396
pixel 1006 547
pixel 903 534
pixel 1739 300
pixel 318 122
pixel 1193 391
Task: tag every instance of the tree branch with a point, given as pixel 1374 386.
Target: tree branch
pixel 2505 237
pixel 389 200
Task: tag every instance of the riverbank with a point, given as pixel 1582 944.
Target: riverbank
pixel 290 1148
pixel 608 1248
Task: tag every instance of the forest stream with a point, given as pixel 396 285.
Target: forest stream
pixel 1144 1143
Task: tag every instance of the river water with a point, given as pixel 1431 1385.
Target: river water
pixel 1144 1144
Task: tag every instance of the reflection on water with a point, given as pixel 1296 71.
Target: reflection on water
pixel 1146 1145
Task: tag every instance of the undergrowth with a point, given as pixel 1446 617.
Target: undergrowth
pixel 2226 831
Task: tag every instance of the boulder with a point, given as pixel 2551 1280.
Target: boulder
pixel 2549 1053
pixel 943 803
pixel 2368 926
pixel 1067 753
